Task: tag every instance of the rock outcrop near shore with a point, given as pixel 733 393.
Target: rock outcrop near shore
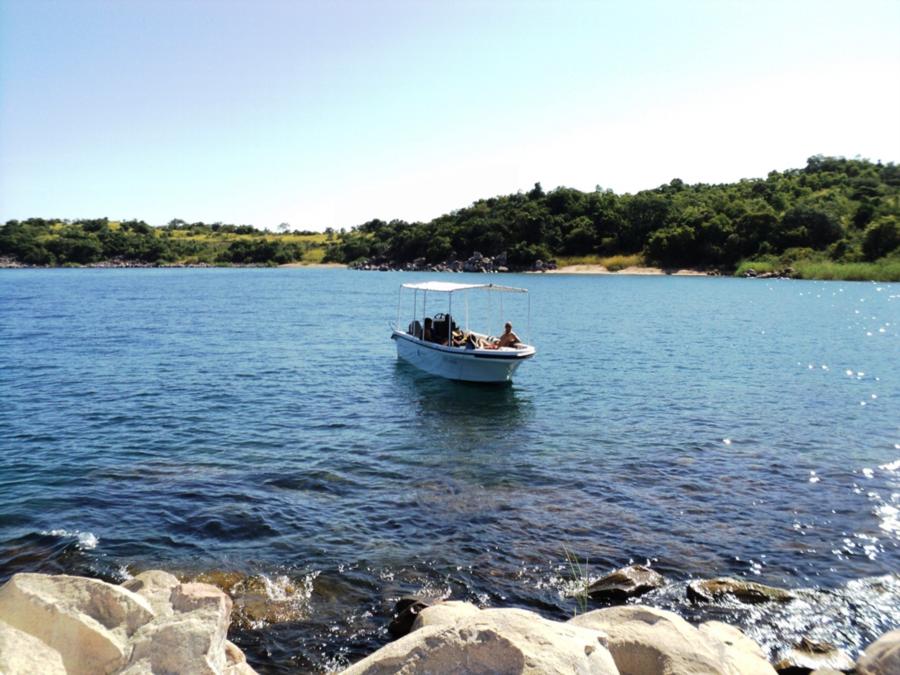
pixel 748 592
pixel 474 263
pixel 458 637
pixel 152 624
pixel 624 583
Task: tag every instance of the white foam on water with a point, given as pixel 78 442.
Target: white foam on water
pixel 87 541
pixel 889 516
pixel 892 466
pixel 283 588
pixel 867 472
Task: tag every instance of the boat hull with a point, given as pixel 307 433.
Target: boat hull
pixel 467 365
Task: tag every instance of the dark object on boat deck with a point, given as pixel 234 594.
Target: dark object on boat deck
pixel 624 583
pixel 405 612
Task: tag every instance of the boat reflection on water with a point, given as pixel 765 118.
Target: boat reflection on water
pixel 462 414
pixel 480 401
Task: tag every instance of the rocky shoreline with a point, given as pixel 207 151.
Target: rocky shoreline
pixel 154 623
pixel 477 263
pixel 631 639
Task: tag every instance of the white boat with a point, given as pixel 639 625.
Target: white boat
pixel 472 356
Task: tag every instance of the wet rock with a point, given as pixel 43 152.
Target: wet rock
pixel 809 655
pixel 224 580
pixel 649 641
pixel 748 592
pixel 258 599
pixel 405 612
pixel 882 656
pixel 493 641
pixel 624 583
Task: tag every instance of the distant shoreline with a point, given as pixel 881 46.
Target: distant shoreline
pixel 633 270
pixel 317 266
pixel 7 264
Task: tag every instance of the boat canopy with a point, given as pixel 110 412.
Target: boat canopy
pixel 450 287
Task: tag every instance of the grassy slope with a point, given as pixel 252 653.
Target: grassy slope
pixel 880 270
pixel 214 243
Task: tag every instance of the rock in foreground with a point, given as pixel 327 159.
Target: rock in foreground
pixel 882 657
pixel 490 641
pixel 457 637
pixel 55 624
pixel 649 641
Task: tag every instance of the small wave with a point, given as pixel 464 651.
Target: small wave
pixel 891 466
pixel 850 616
pixel 87 541
pixel 261 600
pixel 890 518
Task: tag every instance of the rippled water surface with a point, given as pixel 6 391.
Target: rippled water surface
pixel 254 426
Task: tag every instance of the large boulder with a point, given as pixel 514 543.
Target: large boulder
pixel 151 625
pixel 649 641
pixel 24 654
pixel 739 653
pixel 191 639
pixel 624 583
pixel 882 657
pixel 749 592
pixel 156 586
pixel 445 613
pixel 88 621
pixel 493 641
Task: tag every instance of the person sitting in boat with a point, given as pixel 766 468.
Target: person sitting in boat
pixel 508 339
pixel 460 338
pixel 427 333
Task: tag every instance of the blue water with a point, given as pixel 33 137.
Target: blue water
pixel 257 422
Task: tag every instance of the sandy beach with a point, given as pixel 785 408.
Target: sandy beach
pixel 633 270
pixel 316 266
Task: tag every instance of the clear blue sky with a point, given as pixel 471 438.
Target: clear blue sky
pixel 331 113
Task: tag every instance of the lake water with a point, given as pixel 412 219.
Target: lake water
pixel 255 426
